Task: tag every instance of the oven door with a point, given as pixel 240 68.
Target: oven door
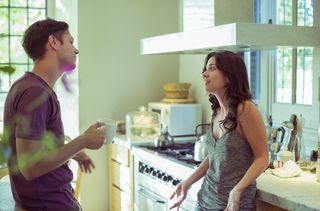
pixel 148 200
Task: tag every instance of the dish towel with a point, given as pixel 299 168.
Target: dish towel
pixel 289 169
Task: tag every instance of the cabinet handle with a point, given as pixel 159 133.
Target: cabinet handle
pixel 116 161
pixel 117 187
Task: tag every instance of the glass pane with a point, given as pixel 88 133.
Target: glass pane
pixel 283 76
pixel 18 21
pixel 304 76
pixel 18 54
pixel 36 14
pixel 284 12
pixel 20 70
pixel 30 61
pixel 3 2
pixel 4 82
pixel 4 50
pixel 305 13
pixel 4 21
pixel 18 3
pixel 37 3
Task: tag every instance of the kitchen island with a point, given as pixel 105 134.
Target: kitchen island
pixel 300 193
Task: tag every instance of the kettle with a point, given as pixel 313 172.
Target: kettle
pixel 201 145
pixel 165 139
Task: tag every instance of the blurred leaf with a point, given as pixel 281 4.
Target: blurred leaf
pixel 7 69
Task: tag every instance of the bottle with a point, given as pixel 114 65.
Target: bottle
pixel 268 128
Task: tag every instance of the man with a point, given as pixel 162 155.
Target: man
pixel 39 173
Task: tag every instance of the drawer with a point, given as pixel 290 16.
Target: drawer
pixel 120 176
pixel 119 154
pixel 120 200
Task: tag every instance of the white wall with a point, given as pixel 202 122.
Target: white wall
pixel 190 70
pixel 114 78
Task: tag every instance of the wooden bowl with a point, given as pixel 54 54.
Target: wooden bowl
pixel 176 90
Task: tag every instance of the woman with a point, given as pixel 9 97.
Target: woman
pixel 237 152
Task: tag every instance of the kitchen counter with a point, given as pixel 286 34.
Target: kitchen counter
pixel 122 141
pixel 298 193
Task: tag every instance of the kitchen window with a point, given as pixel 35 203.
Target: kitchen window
pixel 292 72
pixel 293 66
pixel 15 17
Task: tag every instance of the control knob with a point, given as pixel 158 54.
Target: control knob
pixel 141 167
pixel 160 174
pixel 166 178
pixel 147 169
pixel 175 182
pixel 154 173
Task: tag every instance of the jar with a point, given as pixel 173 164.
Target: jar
pixel 142 125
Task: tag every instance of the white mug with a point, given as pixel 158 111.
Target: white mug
pixel 110 129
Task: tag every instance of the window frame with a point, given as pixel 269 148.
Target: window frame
pixel 282 111
pixel 9 36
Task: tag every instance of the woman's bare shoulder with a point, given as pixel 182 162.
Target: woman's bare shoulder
pixel 246 107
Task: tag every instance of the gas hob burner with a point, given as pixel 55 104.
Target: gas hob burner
pixel 180 151
pixel 176 147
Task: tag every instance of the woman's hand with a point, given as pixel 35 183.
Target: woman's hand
pixel 84 161
pixel 234 200
pixel 180 193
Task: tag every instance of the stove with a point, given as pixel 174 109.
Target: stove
pixel 181 152
pixel 158 170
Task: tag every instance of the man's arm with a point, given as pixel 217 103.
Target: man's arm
pixel 34 160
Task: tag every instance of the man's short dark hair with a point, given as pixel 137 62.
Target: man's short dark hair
pixel 36 36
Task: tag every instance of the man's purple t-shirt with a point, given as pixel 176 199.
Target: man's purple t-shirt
pixel 32 111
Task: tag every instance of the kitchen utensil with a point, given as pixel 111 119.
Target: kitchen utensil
pixel 286 130
pixel 165 139
pixel 201 145
pixel 280 134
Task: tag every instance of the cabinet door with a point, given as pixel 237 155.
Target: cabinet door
pixel 119 200
pixel 120 176
pixel 119 154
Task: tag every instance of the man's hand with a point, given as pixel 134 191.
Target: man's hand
pixel 94 136
pixel 85 163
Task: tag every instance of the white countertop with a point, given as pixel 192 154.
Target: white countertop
pixel 298 193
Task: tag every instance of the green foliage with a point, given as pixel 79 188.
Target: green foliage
pixel 7 69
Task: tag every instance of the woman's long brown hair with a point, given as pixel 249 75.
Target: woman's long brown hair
pixel 234 69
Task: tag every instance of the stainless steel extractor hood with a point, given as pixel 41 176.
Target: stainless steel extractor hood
pixel 233 36
pixel 228 27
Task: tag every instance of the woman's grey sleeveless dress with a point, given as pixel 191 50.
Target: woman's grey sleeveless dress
pixel 229 159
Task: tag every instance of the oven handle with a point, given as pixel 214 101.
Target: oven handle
pixel 150 196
